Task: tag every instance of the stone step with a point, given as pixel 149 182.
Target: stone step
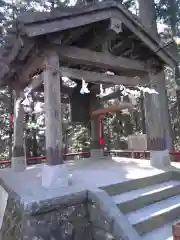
pixel 136 199
pixel 135 184
pixel 155 215
pixel 162 233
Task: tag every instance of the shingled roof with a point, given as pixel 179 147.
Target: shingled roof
pixel 37 25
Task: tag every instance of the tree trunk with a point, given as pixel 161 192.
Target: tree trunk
pixel 11 111
pixel 34 139
pixel 148 15
pixel 173 13
pixel 143 119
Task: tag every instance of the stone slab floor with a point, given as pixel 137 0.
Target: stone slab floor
pixel 106 171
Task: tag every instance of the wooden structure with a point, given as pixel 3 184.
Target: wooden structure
pixel 113 108
pixel 80 43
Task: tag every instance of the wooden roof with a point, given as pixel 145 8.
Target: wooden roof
pixel 81 27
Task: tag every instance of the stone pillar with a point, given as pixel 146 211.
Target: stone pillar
pixel 18 161
pixel 156 129
pixel 96 150
pixel 55 172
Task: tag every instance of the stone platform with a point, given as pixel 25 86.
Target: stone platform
pixel 30 211
pixel 106 171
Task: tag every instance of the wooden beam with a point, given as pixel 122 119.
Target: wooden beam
pixel 69 36
pixel 59 13
pixel 41 99
pixel 99 77
pixel 98 37
pixel 62 24
pixel 64 90
pixel 87 57
pixel 113 108
pixel 112 95
pixel 28 45
pixel 37 82
pixel 34 66
pixel 122 46
pixel 27 91
pixel 31 87
pixel 143 34
pixel 5 68
pixel 75 34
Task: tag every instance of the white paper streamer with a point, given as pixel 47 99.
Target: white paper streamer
pixel 84 88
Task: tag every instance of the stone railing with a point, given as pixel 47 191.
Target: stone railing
pixel 107 220
pixel 76 215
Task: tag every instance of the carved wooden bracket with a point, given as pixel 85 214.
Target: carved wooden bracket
pixel 116 25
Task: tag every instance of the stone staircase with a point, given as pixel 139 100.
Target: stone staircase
pixel 151 204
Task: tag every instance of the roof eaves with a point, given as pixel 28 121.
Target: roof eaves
pixel 160 51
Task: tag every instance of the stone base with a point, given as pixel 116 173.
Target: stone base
pixel 97 153
pixel 55 176
pixel 18 163
pixel 30 211
pixel 160 159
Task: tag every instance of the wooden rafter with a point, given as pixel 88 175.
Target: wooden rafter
pixel 142 33
pixel 122 46
pixel 69 36
pixel 75 34
pixel 98 36
pixel 36 23
pixel 112 95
